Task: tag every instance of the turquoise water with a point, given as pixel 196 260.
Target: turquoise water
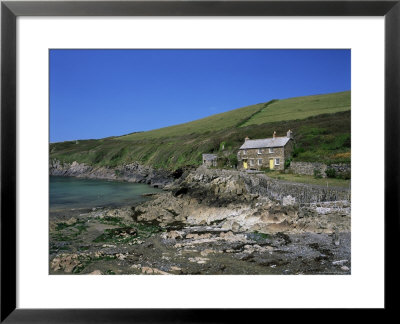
pixel 69 192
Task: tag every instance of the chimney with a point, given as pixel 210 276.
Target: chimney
pixel 246 139
pixel 274 135
pixel 289 134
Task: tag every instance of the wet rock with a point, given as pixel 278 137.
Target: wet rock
pixel 175 270
pixel 207 252
pixel 244 256
pixel 136 266
pixel 148 270
pixel 235 227
pixel 198 236
pixel 199 260
pixel 173 235
pixel 336 238
pixel 109 246
pixel 288 200
pixel 71 221
pixel 121 256
pixel 65 262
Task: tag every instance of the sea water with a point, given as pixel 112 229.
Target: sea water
pixel 70 192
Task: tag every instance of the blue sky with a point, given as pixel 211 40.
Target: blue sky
pixel 100 93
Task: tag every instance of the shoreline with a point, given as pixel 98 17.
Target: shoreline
pixel 210 222
pixel 133 172
pixel 255 183
pixel 109 241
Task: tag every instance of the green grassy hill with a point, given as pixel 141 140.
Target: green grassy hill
pixel 301 108
pixel 209 124
pixel 321 126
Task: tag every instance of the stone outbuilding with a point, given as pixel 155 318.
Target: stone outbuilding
pixel 265 153
pixel 210 160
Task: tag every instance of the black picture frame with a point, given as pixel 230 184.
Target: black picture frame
pixel 10 10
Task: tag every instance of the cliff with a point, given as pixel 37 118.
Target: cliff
pixel 133 172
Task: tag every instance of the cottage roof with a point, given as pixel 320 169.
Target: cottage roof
pixel 209 157
pixel 265 142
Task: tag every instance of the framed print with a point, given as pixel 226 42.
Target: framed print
pixel 179 155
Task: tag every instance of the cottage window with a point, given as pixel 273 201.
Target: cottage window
pixel 259 151
pixel 276 161
pixel 251 162
pixel 244 152
pixel 259 161
pixel 271 150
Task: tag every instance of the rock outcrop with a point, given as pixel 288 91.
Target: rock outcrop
pixel 261 215
pixel 231 200
pixel 229 186
pixel 133 172
pixel 240 202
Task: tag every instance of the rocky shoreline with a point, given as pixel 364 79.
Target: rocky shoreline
pixel 133 172
pixel 205 222
pixel 220 182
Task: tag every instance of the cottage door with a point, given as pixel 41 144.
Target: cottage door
pixel 271 164
pixel 245 165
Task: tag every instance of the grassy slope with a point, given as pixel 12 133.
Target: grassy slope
pixel 323 137
pixel 302 107
pixel 212 123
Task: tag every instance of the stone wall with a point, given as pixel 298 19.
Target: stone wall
pixel 243 184
pixel 341 167
pixel 307 168
pixel 295 193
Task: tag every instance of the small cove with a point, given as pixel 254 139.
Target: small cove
pixel 71 193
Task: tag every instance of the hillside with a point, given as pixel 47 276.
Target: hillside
pixel 321 126
pixel 301 108
pixel 212 123
pixel 272 111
